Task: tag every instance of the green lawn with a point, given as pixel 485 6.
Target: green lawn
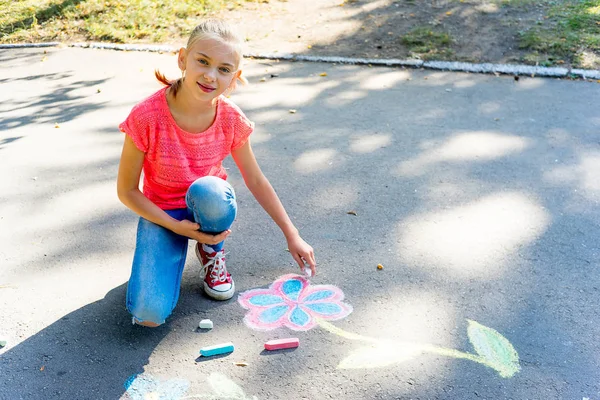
pixel 117 21
pixel 570 33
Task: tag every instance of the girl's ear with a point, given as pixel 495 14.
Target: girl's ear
pixel 234 81
pixel 239 76
pixel 181 58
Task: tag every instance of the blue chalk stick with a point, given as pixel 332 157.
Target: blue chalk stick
pixel 216 349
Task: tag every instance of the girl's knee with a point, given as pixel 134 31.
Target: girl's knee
pixel 148 324
pixel 212 202
pixel 149 315
pixel 211 188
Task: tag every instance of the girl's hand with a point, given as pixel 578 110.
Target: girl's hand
pixel 303 253
pixel 190 229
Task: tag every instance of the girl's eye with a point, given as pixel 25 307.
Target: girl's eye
pixel 225 70
pixel 203 62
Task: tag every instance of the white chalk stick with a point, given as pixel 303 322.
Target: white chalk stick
pixel 206 324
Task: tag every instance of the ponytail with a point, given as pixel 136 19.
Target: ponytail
pixel 175 85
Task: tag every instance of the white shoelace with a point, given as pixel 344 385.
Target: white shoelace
pixel 218 261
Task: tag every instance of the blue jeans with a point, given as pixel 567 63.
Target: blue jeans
pixel 153 288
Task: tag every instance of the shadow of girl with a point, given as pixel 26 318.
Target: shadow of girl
pixel 87 354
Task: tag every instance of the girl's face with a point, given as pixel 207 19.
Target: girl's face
pixel 211 67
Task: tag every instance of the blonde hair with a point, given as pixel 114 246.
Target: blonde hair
pixel 210 29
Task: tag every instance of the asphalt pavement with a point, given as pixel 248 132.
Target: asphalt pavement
pixel 477 194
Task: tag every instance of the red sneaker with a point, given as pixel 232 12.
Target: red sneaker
pixel 218 283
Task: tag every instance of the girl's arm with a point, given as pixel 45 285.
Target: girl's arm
pixel 262 190
pixel 130 169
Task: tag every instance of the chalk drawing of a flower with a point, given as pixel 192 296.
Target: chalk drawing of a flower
pixel 292 302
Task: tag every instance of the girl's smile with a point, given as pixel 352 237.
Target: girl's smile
pixel 206 89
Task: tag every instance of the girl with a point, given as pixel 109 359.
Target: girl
pixel 179 137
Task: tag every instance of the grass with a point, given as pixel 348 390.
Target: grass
pixel 427 43
pixel 117 21
pixel 570 33
pixel 519 3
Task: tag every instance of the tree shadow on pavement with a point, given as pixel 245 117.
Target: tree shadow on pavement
pixel 87 354
pixel 57 106
pixel 92 352
pixel 472 200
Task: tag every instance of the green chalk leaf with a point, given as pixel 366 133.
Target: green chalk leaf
pixel 495 349
pixel 379 355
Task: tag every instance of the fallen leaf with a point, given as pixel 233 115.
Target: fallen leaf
pixel 263 79
pixel 351 212
pixel 44 58
pixel 323 74
pixel 379 266
pixel 241 364
pixel 448 12
pixel 309 46
pixel 98 90
pixel 411 15
pixel 57 125
pixel 292 111
pixel 43 368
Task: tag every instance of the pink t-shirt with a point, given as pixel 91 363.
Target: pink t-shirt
pixel 175 158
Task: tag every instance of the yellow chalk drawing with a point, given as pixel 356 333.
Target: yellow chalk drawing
pixel 223 389
pixel 493 350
